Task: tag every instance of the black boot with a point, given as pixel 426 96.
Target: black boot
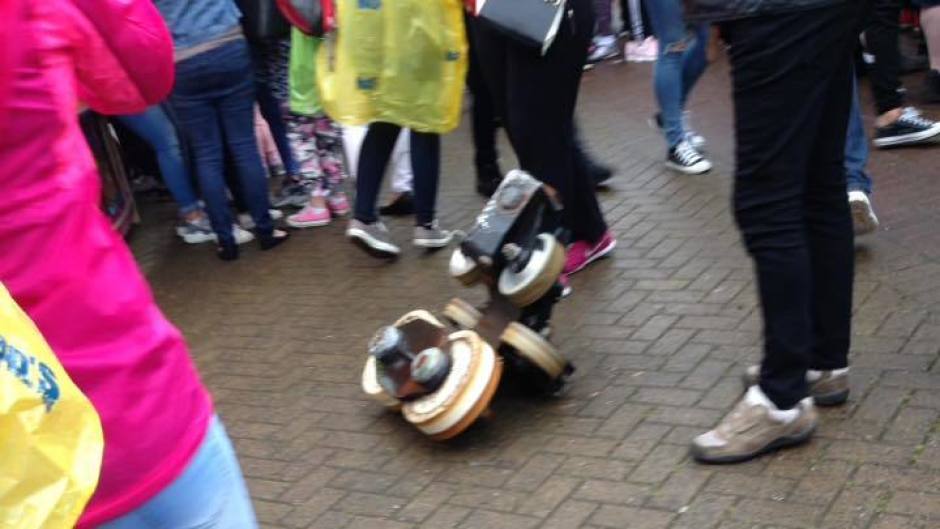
pixel 488 178
pixel 402 206
pixel 227 252
pixel 276 238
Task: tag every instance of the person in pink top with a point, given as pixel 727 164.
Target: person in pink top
pixel 167 460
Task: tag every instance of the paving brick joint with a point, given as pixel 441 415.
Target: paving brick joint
pixel 659 333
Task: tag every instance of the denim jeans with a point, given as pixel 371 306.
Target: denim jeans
pixel 681 62
pixel 856 148
pixel 214 98
pixel 790 186
pixel 272 108
pixel 210 494
pixel 154 126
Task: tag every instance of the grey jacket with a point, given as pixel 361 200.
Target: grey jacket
pixel 717 10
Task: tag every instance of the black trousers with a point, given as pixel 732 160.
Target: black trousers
pixel 791 104
pixel 882 31
pixel 536 96
pixel 484 121
pixel 376 151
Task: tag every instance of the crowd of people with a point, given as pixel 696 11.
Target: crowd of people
pixel 247 129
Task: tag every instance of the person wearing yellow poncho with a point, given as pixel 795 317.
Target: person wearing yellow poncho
pixel 395 64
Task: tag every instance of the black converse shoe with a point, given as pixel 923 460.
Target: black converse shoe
pixel 687 160
pixel 909 129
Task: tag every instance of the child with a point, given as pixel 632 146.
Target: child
pixel 317 141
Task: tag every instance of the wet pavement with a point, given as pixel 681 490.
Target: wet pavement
pixel 660 333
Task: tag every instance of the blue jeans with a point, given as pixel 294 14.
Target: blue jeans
pixel 856 148
pixel 210 494
pixel 154 126
pixel 681 62
pixel 214 98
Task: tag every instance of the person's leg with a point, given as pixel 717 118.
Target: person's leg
pixel 856 148
pixel 829 228
pixel 236 108
pixel 211 493
pixel 789 200
pixel 154 126
pixel 881 40
pixel 483 121
pixel 199 122
pixel 603 18
pixel 930 23
pixel 270 62
pixel 773 166
pixel 675 43
pixel 426 164
pixel 694 61
pixel 373 159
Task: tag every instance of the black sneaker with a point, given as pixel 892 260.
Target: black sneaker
pixel 687 160
pixel 403 205
pixel 909 129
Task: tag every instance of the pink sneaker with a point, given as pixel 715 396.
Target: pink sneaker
pixel 582 253
pixel 309 217
pixel 338 204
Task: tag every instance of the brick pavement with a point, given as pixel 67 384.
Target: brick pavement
pixel 659 333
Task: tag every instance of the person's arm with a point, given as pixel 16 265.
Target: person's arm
pixel 123 55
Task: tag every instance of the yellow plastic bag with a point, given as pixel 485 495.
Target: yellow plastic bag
pixel 398 61
pixel 50 435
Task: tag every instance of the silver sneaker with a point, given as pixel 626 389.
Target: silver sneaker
pixel 195 231
pixel 373 238
pixel 432 236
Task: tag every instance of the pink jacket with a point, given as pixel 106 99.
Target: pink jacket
pixel 59 256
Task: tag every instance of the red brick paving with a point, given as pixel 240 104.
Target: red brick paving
pixel 659 333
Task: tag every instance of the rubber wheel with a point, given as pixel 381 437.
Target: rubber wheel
pixel 465 394
pixel 465 270
pixel 462 314
pixel 372 388
pixel 540 273
pixel 534 349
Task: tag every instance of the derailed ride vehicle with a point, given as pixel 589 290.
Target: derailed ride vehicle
pixel 443 380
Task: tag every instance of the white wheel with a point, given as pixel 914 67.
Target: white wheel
pixel 463 314
pixel 533 348
pixel 371 387
pixel 531 283
pixel 465 394
pixel 464 269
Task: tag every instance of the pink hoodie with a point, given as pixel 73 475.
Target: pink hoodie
pixel 59 256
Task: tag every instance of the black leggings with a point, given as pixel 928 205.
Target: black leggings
pixel 536 97
pixel 373 159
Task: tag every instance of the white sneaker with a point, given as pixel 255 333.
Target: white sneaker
pixel 602 48
pixel 863 216
pixel 687 160
pixel 245 220
pixel 242 235
pixel 432 236
pixel 373 238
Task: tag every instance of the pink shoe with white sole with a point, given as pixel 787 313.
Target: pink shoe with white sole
pixel 583 253
pixel 338 204
pixel 309 217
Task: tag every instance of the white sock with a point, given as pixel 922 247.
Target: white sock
pixel 813 375
pixel 756 396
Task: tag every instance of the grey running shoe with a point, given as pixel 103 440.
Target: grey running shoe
pixel 195 231
pixel 294 195
pixel 754 427
pixel 828 388
pixel 432 236
pixel 245 220
pixel 373 238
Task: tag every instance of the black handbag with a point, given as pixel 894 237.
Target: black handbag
pixel 532 22
pixel 262 20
